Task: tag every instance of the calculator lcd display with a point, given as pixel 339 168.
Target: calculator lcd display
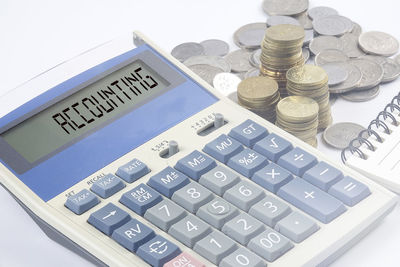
pixel 89 108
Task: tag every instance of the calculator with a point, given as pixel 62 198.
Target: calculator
pixel 126 157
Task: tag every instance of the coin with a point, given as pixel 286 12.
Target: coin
pixel 255 58
pixel 277 20
pixel 335 72
pixel 372 73
pixel 306 54
pixel 361 96
pixel 391 70
pixel 357 30
pixel 239 60
pixel 352 81
pixel 206 72
pixel 340 135
pixel 321 11
pixel 252 73
pixel 298 108
pixel 304 20
pixel 397 59
pixel 186 50
pixel 309 35
pixel 215 47
pixel 332 99
pixel 250 36
pixel 307 75
pixel 321 43
pixel 214 61
pixel 226 83
pixel 351 48
pixel 330 55
pixel 378 43
pixel 333 25
pixel 285 7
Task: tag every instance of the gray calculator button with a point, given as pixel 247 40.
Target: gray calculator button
pixel 244 195
pixel 349 191
pixel 217 212
pixel 82 201
pixel 248 133
pixel 247 162
pixel 189 230
pixel 296 226
pixel 107 186
pixel 219 180
pixel 323 175
pixel 272 177
pixel 270 210
pixel 165 214
pixel 270 245
pixel 108 218
pixel 242 228
pixel 297 161
pixel 195 165
pixel 215 246
pixel 192 196
pixel 272 146
pixel 132 170
pixel 223 148
pixel 242 257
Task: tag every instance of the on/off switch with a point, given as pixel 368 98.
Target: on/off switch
pixel 219 121
pixel 172 149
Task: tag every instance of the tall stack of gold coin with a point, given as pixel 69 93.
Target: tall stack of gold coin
pixel 298 115
pixel 311 81
pixel 281 50
pixel 259 95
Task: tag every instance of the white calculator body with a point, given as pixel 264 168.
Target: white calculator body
pixel 128 158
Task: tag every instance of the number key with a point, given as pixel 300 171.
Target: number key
pixel 189 230
pixel 270 210
pixel 244 195
pixel 217 212
pixel 242 228
pixel 165 214
pixel 219 180
pixel 192 196
pixel 242 257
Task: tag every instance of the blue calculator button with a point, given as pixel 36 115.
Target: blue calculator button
pixel 272 177
pixel 323 175
pixel 108 218
pixel 168 181
pixel 247 162
pixel 132 235
pixel 272 146
pixel 195 165
pixel 158 251
pixel 141 198
pixel 297 161
pixel 107 186
pixel 349 191
pixel 133 170
pixel 82 201
pixel 223 148
pixel 312 200
pixel 248 133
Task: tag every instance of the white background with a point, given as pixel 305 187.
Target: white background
pixel 36 35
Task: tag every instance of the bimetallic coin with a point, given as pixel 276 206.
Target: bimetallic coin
pixel 226 83
pixel 239 60
pixel 277 20
pixel 206 72
pixel 254 58
pixel 351 47
pixel 334 25
pixel 321 43
pixel 252 73
pixel 186 50
pixel 321 12
pixel 214 61
pixel 335 72
pixel 214 47
pixel 285 7
pixel 330 55
pixel 352 81
pixel 340 135
pixel 250 36
pixel 372 73
pixel 306 54
pixel 361 96
pixel 378 43
pixel 304 20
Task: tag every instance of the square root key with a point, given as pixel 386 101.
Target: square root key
pixel 273 147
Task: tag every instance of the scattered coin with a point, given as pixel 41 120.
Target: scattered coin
pixel 285 7
pixel 226 83
pixel 335 72
pixel 214 47
pixel 186 50
pixel 250 36
pixel 352 81
pixel 306 54
pixel 321 12
pixel 206 72
pixel 309 35
pixel 351 47
pixel 330 55
pixel 334 25
pixel 214 61
pixel 255 58
pixel 254 72
pixel 304 20
pixel 339 135
pixel 277 20
pixel 322 43
pixel 378 43
pixel 361 96
pixel 239 60
pixel 372 73
pixel 391 70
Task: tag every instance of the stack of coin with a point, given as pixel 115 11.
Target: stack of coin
pixel 259 95
pixel 311 81
pixel 281 50
pixel 298 115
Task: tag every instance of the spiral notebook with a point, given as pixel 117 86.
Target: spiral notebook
pixel 376 151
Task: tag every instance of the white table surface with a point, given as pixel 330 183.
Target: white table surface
pixel 36 35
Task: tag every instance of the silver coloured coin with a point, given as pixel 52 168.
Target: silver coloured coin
pixel 214 61
pixel 304 20
pixel 330 55
pixel 306 53
pixel 378 43
pixel 285 7
pixel 391 70
pixel 239 60
pixel 339 135
pixel 215 47
pixel 254 58
pixel 252 73
pixel 308 36
pixel 321 12
pixel 226 83
pixel 336 74
pixel 351 47
pixel 357 30
pixel 361 96
pixel 186 50
pixel 241 75
pixel 250 36
pixel 206 72
pixel 277 20
pixel 332 99
pixel 321 43
pixel 352 81
pixel 334 25
pixel 372 73
pixel 397 59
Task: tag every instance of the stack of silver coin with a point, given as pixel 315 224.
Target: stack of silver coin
pixel 311 81
pixel 281 50
pixel 298 115
pixel 259 95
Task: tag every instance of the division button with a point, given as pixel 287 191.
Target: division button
pixel 107 186
pixel 248 133
pixel 297 161
pixel 141 198
pixel 81 201
pixel 296 226
pixel 223 148
pixel 168 181
pixel 132 171
pixel 349 191
pixel 158 251
pixel 272 147
pixel 272 177
pixel 132 235
pixel 323 175
pixel 195 165
pixel 108 218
